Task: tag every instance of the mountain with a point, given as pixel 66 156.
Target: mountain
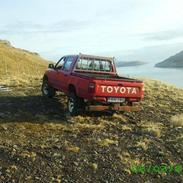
pixel 173 61
pixel 129 63
pixel 19 63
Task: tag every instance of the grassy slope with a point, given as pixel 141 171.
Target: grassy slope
pixel 18 64
pixel 39 142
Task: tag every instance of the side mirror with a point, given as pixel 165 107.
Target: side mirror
pixel 51 66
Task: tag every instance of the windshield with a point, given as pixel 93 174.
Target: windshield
pixel 94 65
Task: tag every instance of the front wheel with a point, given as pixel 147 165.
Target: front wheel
pixel 47 90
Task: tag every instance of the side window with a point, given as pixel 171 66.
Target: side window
pixel 68 63
pixel 60 63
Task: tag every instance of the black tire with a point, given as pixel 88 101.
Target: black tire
pixel 72 104
pixel 47 91
pixel 75 104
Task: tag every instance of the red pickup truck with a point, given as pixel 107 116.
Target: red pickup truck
pixel 91 83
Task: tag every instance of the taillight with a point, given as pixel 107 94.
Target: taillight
pixel 91 87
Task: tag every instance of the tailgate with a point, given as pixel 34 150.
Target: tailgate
pixel 119 88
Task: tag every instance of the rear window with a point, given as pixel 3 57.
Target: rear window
pixel 94 65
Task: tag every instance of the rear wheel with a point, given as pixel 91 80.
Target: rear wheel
pixel 74 104
pixel 47 90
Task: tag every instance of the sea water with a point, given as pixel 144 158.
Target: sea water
pixel 173 76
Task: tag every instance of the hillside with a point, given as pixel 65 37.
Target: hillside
pixel 129 63
pixel 19 64
pixel 175 61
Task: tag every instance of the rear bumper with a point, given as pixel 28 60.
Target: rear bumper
pixel 114 108
pixel 127 99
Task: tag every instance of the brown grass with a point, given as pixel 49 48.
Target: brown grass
pixel 106 142
pixel 153 128
pixel 128 161
pixel 144 143
pixel 177 120
pixel 19 65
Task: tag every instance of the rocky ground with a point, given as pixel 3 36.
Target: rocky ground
pixel 40 142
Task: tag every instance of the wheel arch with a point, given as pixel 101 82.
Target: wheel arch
pixel 72 88
pixel 45 77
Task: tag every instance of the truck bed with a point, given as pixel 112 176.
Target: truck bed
pixel 106 76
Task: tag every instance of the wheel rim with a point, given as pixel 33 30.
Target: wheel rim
pixel 71 105
pixel 45 88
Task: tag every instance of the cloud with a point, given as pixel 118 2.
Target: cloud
pixel 163 35
pixel 69 25
pixel 33 28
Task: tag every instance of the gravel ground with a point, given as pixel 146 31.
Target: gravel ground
pixel 40 142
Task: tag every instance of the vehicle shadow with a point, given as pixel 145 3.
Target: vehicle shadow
pixel 38 109
pixel 32 109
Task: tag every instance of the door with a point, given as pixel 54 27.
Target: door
pixel 56 72
pixel 64 74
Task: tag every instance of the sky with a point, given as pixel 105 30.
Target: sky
pixel 146 30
